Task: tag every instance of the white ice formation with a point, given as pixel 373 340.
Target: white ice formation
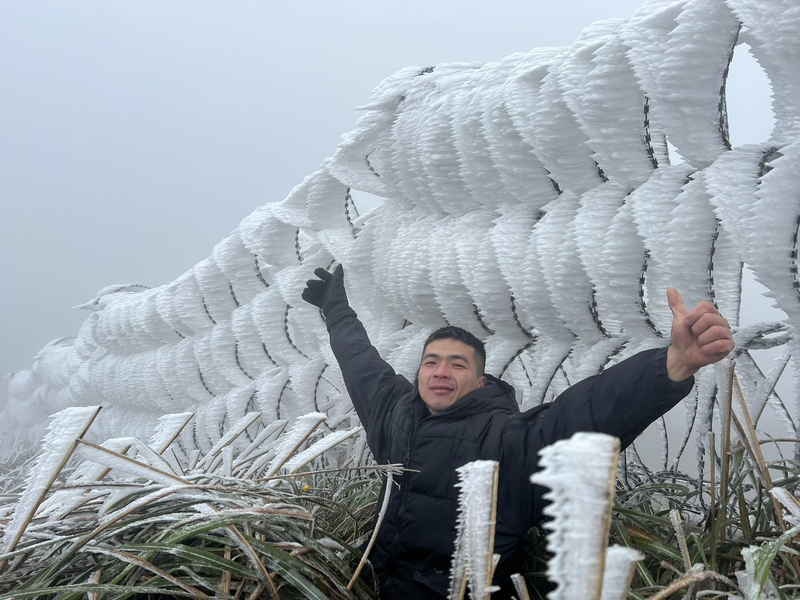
pixel 473 558
pixel 581 473
pixel 534 201
pixel 620 565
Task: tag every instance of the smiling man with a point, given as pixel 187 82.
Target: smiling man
pixel 456 413
pixel 450 368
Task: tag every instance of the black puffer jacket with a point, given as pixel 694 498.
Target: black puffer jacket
pixel 413 551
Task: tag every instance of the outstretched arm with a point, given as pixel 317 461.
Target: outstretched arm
pixel 621 401
pixel 371 382
pixel 626 398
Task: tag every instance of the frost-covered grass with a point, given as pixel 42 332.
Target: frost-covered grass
pixel 268 513
pixel 228 537
pixel 714 538
pixel 305 538
pixel 265 513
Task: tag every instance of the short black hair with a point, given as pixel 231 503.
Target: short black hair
pixel 451 332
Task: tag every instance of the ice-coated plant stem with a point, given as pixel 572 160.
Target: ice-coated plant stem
pixel 581 474
pixel 620 563
pixel 473 559
pixel 65 431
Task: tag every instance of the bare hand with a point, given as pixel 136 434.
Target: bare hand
pixel 700 337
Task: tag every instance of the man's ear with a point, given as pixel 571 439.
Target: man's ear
pixel 482 382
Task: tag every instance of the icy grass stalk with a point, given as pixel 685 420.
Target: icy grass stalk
pixel 227 439
pixel 755 579
pixel 64 431
pixel 618 574
pixel 291 441
pixel 473 560
pixel 677 524
pixel 169 427
pixel 521 587
pixel 374 536
pixel 125 464
pixel 581 474
pixel 789 502
pixel 317 449
pixel 273 429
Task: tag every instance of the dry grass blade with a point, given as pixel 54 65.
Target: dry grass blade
pixel 726 445
pixel 677 523
pixel 95 453
pixel 381 515
pixel 226 576
pixel 713 482
pixel 493 558
pixel 140 562
pixel 520 586
pixel 95 579
pixel 750 437
pixel 694 576
pixel 253 557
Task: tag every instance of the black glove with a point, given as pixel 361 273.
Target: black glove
pixel 327 292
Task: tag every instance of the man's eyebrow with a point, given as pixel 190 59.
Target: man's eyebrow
pixel 448 357
pixel 458 357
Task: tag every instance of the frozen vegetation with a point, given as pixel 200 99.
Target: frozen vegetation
pixel 579 182
pixel 548 174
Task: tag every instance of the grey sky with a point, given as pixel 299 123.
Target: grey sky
pixel 135 135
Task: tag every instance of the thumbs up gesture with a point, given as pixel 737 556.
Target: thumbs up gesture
pixel 700 337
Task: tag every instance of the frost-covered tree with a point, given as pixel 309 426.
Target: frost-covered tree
pixel 551 174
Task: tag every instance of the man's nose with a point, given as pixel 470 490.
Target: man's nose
pixel 442 371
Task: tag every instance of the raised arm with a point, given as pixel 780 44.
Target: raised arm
pixel 626 398
pixel 371 382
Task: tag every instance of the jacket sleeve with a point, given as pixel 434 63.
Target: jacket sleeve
pixel 372 383
pixel 621 401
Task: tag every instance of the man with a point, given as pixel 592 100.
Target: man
pixel 456 413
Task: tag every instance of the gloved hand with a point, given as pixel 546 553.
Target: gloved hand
pixel 327 292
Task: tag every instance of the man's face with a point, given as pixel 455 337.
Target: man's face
pixel 448 372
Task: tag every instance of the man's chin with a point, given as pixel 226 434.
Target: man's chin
pixel 438 405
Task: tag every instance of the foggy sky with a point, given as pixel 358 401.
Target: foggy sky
pixel 136 135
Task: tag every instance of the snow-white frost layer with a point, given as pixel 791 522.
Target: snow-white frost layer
pixel 62 432
pixel 532 201
pixel 581 473
pixel 620 563
pixel 472 559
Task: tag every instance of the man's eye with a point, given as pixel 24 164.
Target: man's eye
pixel 459 366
